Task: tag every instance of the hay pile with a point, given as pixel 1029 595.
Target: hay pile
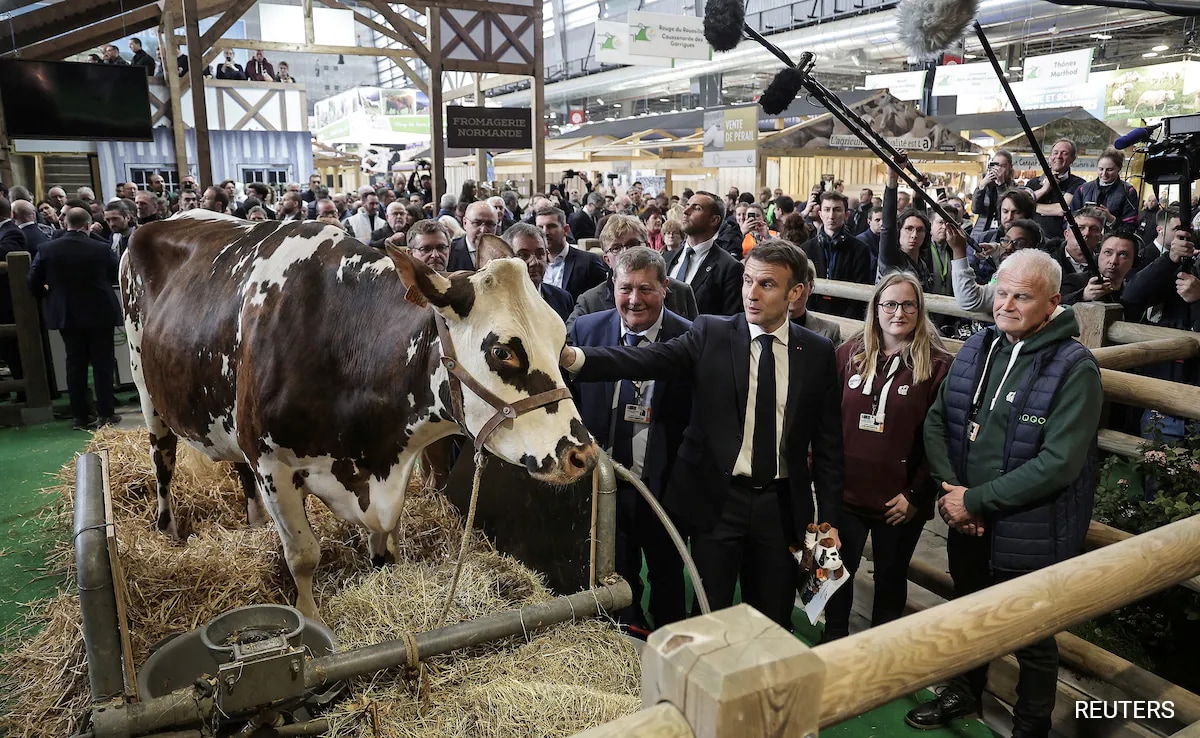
pixel 569 678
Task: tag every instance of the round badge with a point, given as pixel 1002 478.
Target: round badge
pixel 855 382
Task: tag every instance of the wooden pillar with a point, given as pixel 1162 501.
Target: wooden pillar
pixel 29 340
pixel 539 101
pixel 734 673
pixel 309 33
pixel 170 56
pixel 480 154
pixel 6 153
pixel 437 136
pixel 1094 319
pixel 191 19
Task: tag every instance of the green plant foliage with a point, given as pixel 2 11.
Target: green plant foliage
pixel 1161 632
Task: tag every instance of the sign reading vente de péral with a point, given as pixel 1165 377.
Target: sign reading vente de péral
pixel 488 128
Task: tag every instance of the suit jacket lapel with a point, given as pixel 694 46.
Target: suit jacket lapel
pixel 568 263
pixel 795 357
pixel 706 267
pixel 739 347
pixel 611 337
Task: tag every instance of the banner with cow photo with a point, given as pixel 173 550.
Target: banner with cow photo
pixel 898 121
pixel 1150 92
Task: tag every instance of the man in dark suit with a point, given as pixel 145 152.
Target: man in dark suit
pixel 76 276
pixel 641 424
pixel 12 238
pixel 765 393
pixel 120 224
pixel 480 219
pixel 572 269
pixel 713 274
pixel 623 232
pixel 583 221
pixel 529 245
pixel 836 254
pixel 24 214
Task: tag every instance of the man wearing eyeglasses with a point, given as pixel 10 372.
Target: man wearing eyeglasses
pixel 480 219
pixel 529 245
pixel 429 241
pixel 621 233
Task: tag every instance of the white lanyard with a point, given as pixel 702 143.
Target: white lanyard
pixel 880 410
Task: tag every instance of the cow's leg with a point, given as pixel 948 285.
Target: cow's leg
pixel 163 444
pixel 389 514
pixel 256 512
pixel 283 495
pixel 435 461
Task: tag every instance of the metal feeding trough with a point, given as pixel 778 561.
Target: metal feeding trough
pixel 233 647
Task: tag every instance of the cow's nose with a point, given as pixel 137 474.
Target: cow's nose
pixel 582 459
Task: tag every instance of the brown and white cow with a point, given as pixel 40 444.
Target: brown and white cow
pixel 292 351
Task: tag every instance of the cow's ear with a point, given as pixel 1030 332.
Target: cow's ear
pixel 492 247
pixel 427 287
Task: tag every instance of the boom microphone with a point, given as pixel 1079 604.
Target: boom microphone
pixel 723 23
pixel 929 27
pixel 1136 136
pixel 782 91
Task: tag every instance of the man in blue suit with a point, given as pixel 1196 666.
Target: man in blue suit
pixel 641 424
pixel 765 394
pixel 76 274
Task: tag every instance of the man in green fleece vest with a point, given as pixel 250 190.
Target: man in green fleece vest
pixel 1011 438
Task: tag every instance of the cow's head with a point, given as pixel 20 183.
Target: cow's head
pixel 508 339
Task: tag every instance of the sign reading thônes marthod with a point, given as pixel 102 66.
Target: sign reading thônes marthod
pixel 488 128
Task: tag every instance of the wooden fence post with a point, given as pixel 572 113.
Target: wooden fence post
pixel 1094 319
pixel 734 673
pixel 29 341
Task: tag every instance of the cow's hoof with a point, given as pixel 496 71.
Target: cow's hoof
pixel 379 561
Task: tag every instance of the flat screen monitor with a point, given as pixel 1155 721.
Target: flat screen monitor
pixel 70 100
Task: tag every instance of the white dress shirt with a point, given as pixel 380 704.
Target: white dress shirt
pixel 779 346
pixel 701 250
pixel 556 267
pixel 641 435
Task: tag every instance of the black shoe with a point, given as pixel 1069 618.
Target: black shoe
pixel 110 420
pixel 85 424
pixel 951 704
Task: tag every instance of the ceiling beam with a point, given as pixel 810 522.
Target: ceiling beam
pixel 63 17
pixel 223 24
pixel 400 24
pixel 253 45
pixel 396 34
pixel 89 37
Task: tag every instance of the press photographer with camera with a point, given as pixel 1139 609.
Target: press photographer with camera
pixel 996 182
pixel 420 182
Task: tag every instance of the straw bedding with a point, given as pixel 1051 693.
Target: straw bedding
pixel 558 683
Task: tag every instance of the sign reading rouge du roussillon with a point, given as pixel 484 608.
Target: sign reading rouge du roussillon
pixel 488 128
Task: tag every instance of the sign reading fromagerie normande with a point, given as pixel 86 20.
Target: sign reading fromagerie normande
pixel 488 128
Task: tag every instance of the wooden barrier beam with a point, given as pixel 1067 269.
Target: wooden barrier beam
pixel 883 663
pixel 1172 398
pixel 1122 444
pixel 1123 332
pixel 1085 656
pixel 1191 731
pixel 1130 355
pixel 29 340
pixel 663 720
pixel 1100 535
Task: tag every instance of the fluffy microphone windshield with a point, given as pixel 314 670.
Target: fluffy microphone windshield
pixel 782 91
pixel 723 22
pixel 929 27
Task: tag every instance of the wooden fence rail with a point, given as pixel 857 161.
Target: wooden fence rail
pixel 26 328
pixel 876 666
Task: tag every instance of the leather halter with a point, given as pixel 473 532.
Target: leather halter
pixel 504 410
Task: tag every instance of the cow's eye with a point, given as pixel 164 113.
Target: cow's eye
pixel 501 353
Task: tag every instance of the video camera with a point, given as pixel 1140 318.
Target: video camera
pixel 424 164
pixel 1175 160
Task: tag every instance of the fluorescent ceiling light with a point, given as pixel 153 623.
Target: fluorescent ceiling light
pixel 1102 36
pixel 1150 55
pixel 1160 47
pixel 599 101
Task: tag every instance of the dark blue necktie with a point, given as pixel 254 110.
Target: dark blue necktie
pixel 623 430
pixel 764 458
pixel 685 264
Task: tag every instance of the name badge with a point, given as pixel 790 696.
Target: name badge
pixel 972 430
pixel 868 422
pixel 637 414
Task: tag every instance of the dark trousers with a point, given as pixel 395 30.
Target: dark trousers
pixel 747 542
pixel 640 532
pixel 893 546
pixel 1037 681
pixel 92 346
pixel 10 354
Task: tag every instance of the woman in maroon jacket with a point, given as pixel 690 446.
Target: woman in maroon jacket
pixel 890 374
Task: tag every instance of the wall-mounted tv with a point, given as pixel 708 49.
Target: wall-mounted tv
pixel 69 100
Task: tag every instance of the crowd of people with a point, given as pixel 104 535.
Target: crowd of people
pixel 702 358
pixel 258 69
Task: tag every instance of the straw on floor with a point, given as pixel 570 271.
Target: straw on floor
pixel 556 684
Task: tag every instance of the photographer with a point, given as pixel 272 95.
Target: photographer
pixel 230 69
pixel 995 184
pixel 420 183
